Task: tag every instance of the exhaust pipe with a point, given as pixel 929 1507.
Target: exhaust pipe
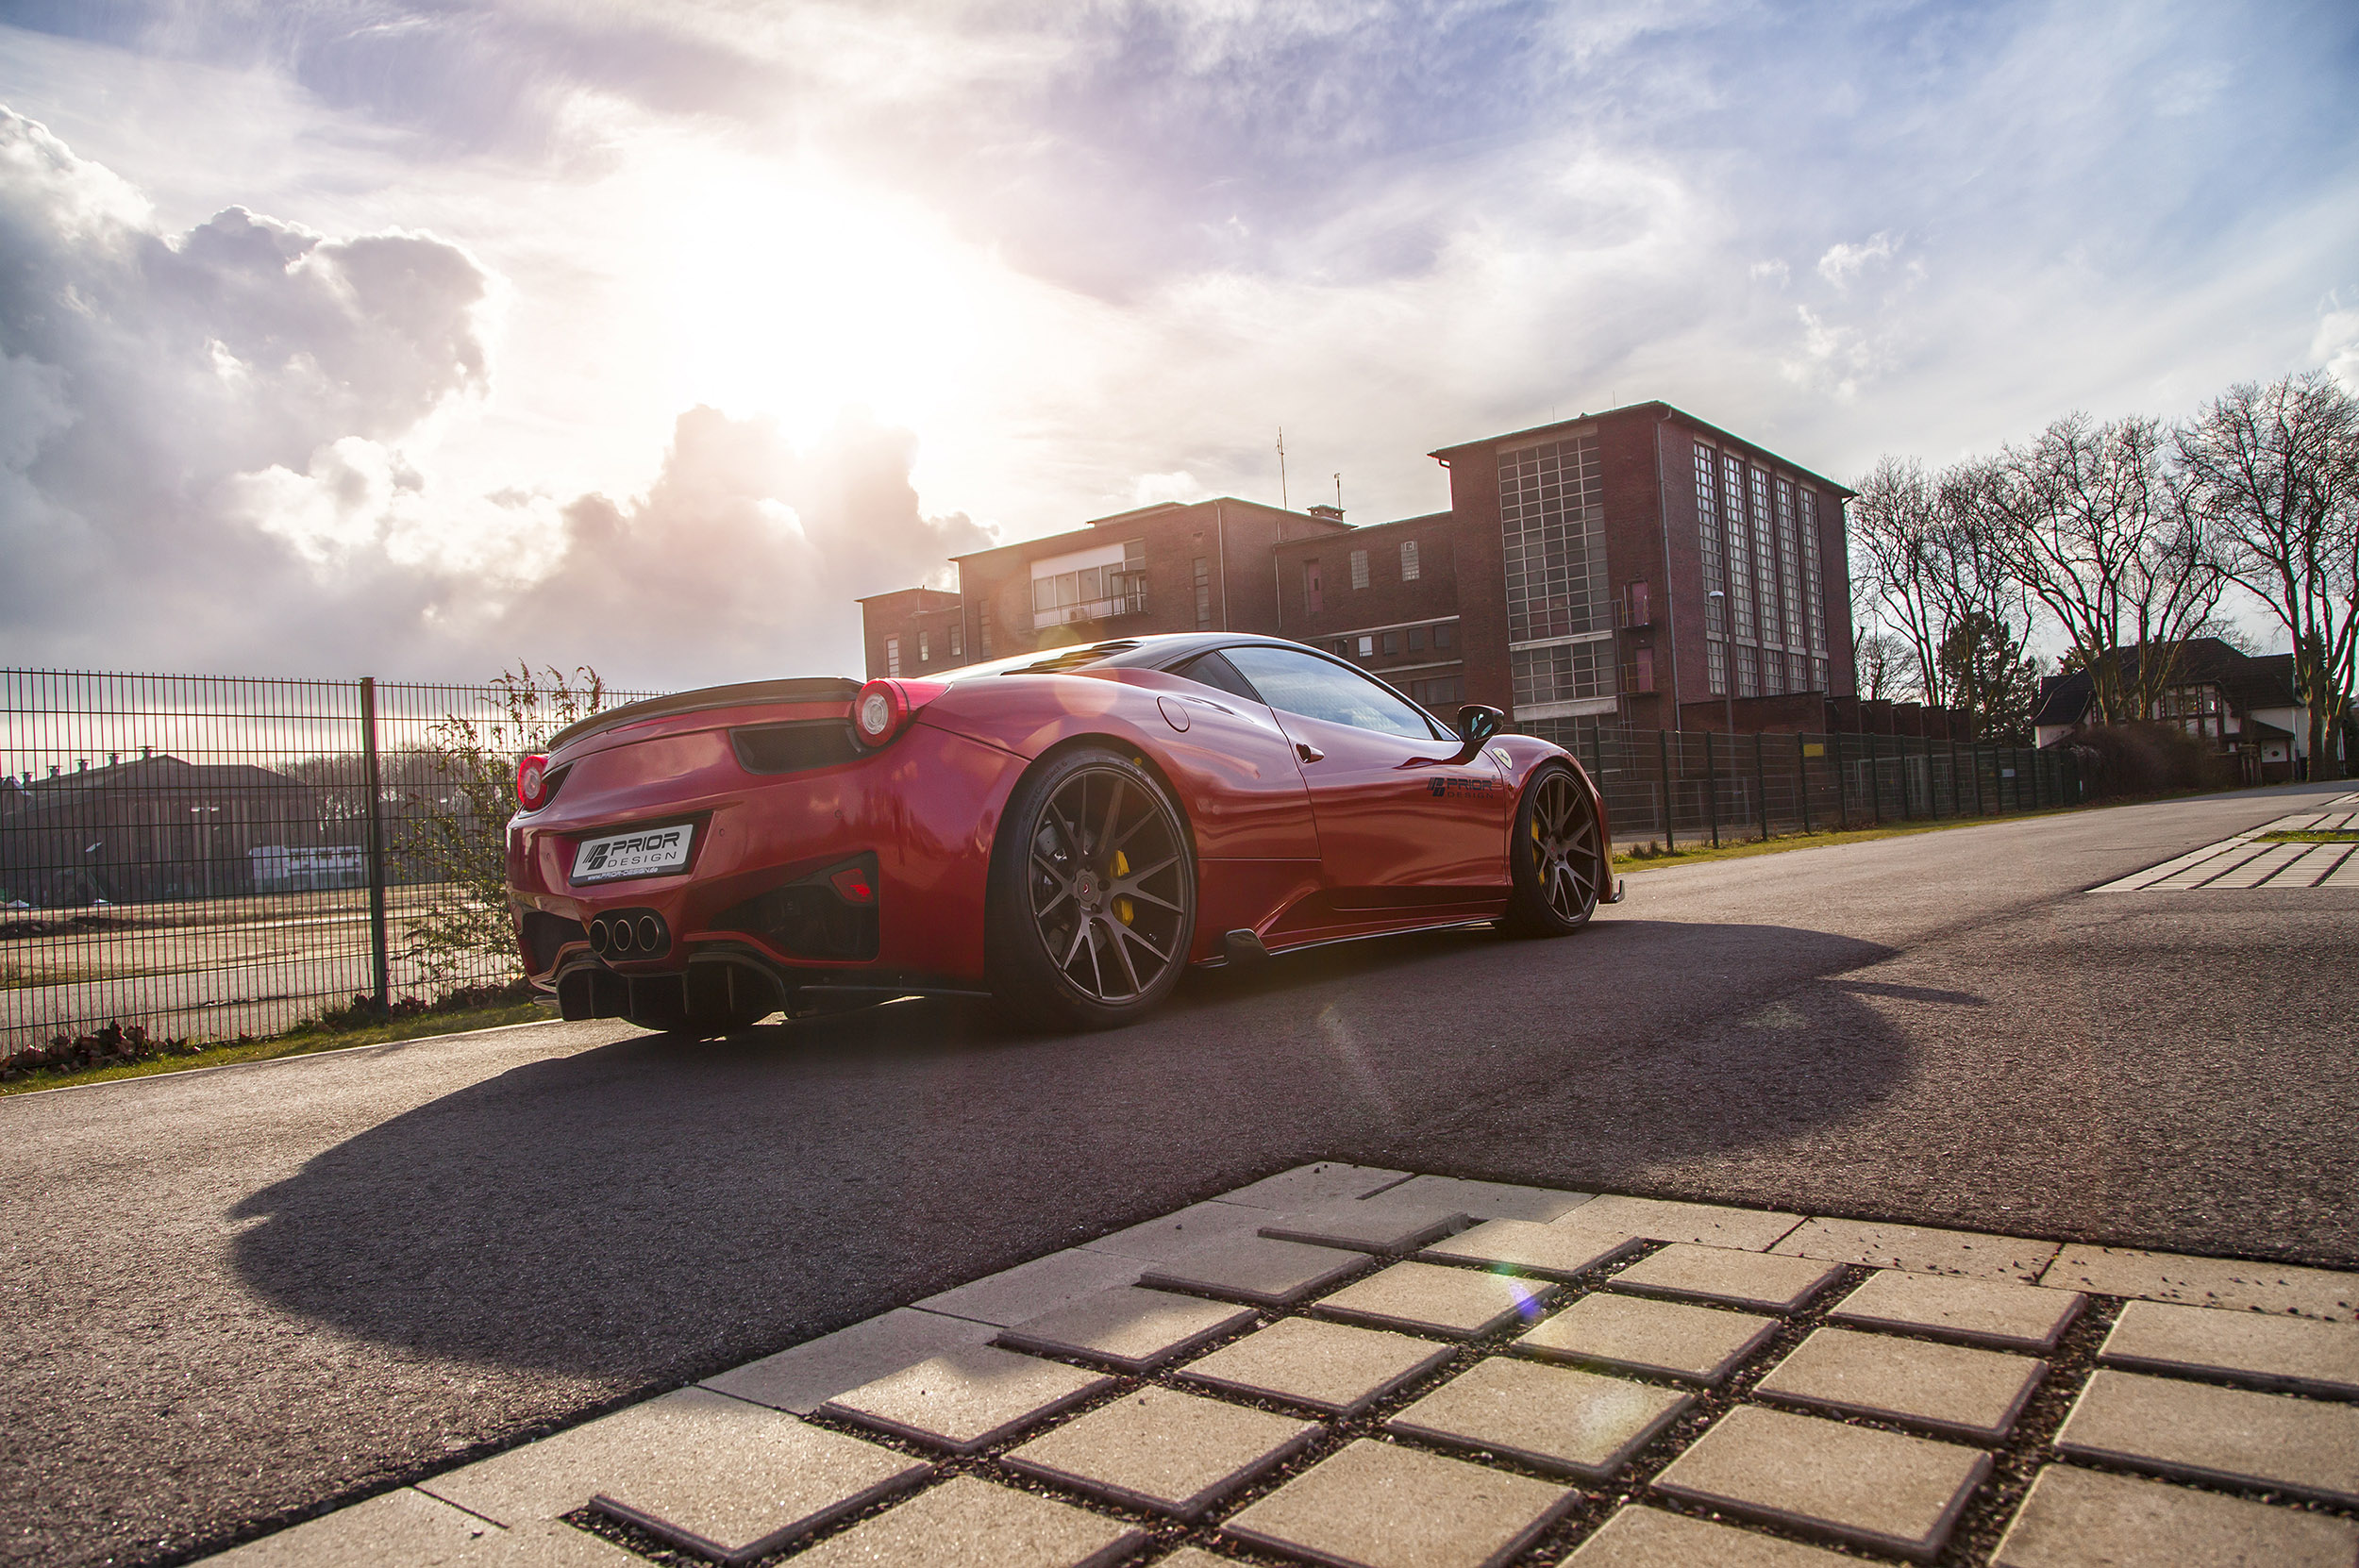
pixel 598 936
pixel 650 933
pixel 628 933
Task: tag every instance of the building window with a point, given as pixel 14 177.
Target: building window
pixel 1790 570
pixel 1709 544
pixel 1561 672
pixel 1441 637
pixel 1748 670
pixel 1717 668
pixel 1818 675
pixel 1409 560
pixel 1203 594
pixel 958 640
pixel 1740 549
pixel 1090 593
pixel 983 624
pixel 1359 569
pixel 1314 599
pixel 1343 645
pixel 1441 693
pixel 1367 647
pixel 1552 530
pixel 925 647
pixel 892 655
pixel 1392 643
pixel 1416 639
pixel 1764 580
pixel 1813 593
pixel 1642 670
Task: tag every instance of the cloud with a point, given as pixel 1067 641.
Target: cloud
pixel 1845 262
pixel 2336 344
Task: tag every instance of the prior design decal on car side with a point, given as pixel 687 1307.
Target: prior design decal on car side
pixel 1439 787
pixel 649 852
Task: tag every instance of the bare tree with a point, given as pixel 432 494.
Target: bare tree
pixel 1930 566
pixel 2275 470
pixel 2090 520
pixel 1886 665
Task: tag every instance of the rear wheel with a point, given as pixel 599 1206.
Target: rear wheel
pixel 1554 857
pixel 1093 894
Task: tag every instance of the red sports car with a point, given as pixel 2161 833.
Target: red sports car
pixel 1064 832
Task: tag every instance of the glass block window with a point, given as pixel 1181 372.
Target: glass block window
pixel 1814 591
pixel 1748 671
pixel 1409 560
pixel 1818 674
pixel 1553 534
pixel 1765 581
pixel 1709 536
pixel 892 655
pixel 1359 569
pixel 1790 568
pixel 925 647
pixel 1203 594
pixel 1717 668
pixel 1740 549
pixel 958 638
pixel 1563 673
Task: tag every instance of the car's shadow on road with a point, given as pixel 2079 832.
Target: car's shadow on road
pixel 655 1210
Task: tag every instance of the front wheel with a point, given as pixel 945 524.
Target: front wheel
pixel 1093 894
pixel 1555 857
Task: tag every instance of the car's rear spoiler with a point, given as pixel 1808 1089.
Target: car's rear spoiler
pixel 818 689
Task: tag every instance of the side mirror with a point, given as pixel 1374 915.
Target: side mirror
pixel 1476 726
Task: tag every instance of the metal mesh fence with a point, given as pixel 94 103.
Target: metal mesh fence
pixel 199 855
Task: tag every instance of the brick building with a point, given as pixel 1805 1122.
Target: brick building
pixel 1637 566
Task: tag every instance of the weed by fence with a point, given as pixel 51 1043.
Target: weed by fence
pixel 210 857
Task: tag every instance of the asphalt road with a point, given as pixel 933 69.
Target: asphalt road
pixel 243 1293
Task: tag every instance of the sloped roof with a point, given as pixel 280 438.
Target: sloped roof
pixel 2247 680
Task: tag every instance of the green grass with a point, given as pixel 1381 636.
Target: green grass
pixel 306 1039
pixel 2331 835
pixel 1639 859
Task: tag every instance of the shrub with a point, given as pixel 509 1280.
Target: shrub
pixel 2144 758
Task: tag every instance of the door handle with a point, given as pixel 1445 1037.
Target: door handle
pixel 1308 753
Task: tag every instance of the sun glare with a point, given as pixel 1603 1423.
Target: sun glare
pixel 791 294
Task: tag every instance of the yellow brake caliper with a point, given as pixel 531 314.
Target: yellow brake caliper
pixel 1122 906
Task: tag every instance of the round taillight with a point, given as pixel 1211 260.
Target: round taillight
pixel 532 782
pixel 876 712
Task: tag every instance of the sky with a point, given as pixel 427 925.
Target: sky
pixel 417 337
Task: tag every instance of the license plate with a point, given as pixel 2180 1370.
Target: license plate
pixel 648 852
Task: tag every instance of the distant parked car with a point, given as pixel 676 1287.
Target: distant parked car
pixel 1065 832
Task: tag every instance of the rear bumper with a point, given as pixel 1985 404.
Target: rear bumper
pixel 754 906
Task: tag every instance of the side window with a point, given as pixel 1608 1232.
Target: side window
pixel 1214 671
pixel 1305 684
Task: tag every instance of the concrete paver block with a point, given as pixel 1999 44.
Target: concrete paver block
pixel 1127 1329
pixel 1968 1393
pixel 1329 1366
pixel 1378 1505
pixel 1709 1224
pixel 2075 1518
pixel 1668 1336
pixel 2326 1293
pixel 1552 1418
pixel 1550 1251
pixel 2303 1447
pixel 1158 1448
pixel 1758 1279
pixel 1880 1489
pixel 418 1531
pixel 804 1378
pixel 966 1522
pixel 968 1399
pixel 1651 1538
pixel 1028 1289
pixel 1921 1249
pixel 1257 1269
pixel 1182 1231
pixel 734 1480
pixel 1982 1312
pixel 1378 1225
pixel 1435 1299
pixel 2300 1354
pixel 1488 1200
pixel 1309 1186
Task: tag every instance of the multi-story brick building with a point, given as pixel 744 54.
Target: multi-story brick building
pixel 1636 566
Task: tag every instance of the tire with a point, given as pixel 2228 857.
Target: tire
pixel 1553 857
pixel 1079 934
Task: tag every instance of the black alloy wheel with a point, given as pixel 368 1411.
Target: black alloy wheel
pixel 1094 905
pixel 1555 857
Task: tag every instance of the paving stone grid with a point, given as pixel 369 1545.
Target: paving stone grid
pixel 1767 1389
pixel 2244 862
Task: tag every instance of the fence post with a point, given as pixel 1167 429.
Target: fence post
pixel 1761 785
pixel 1957 796
pixel 373 827
pixel 1712 791
pixel 1842 797
pixel 1875 784
pixel 1663 770
pixel 1802 777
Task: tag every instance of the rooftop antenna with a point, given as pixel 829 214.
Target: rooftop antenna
pixel 1281 470
pixel 1339 493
